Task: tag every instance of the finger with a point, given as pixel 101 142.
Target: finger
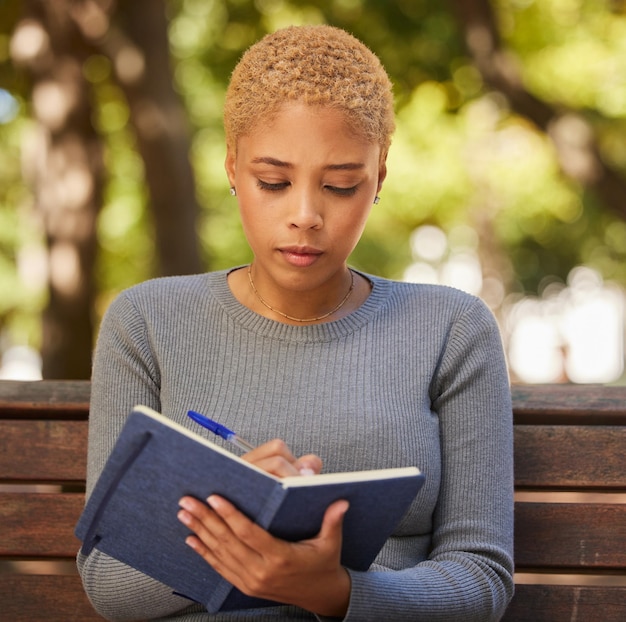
pixel 213 539
pixel 273 457
pixel 309 465
pixel 239 525
pixel 194 510
pixel 220 523
pixel 242 549
pixel 276 458
pixel 199 518
pixel 278 467
pixel 227 566
pixel 209 528
pixel 275 447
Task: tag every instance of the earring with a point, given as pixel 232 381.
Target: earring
pixel 376 200
pixel 233 192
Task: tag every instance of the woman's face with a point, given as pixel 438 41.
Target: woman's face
pixel 305 185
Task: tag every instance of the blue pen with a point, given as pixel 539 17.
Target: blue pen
pixel 220 430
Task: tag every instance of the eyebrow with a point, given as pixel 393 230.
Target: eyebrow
pixel 347 166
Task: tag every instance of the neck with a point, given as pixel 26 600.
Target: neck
pixel 292 318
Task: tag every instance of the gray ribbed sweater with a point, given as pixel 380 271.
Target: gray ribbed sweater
pixel 415 376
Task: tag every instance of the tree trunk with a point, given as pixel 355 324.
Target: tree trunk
pixel 137 44
pixel 65 165
pixel 65 168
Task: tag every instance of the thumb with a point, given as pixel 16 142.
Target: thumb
pixel 333 520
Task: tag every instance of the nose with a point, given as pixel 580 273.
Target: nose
pixel 306 211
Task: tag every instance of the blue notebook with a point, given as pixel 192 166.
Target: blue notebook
pixel 131 514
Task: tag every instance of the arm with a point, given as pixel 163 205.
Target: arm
pixel 125 373
pixel 468 573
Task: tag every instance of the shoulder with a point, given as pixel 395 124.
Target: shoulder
pixel 167 285
pixel 425 295
pixel 173 294
pixel 164 288
pixel 437 309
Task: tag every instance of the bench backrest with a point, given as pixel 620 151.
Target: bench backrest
pixel 570 511
pixel 43 440
pixel 570 475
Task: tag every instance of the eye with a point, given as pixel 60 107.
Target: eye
pixel 342 192
pixel 264 185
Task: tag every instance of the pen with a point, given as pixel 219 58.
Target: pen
pixel 220 430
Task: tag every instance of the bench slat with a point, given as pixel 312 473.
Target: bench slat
pixel 570 536
pixel 49 598
pixel 50 399
pixel 39 525
pixel 566 603
pixel 43 451
pixel 568 403
pixel 559 456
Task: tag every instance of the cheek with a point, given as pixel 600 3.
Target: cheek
pixel 252 227
pixel 258 224
pixel 352 223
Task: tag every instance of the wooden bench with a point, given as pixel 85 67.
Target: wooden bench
pixel 570 459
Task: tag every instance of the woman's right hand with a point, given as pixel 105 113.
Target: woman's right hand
pixel 276 458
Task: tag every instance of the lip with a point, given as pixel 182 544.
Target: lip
pixel 300 256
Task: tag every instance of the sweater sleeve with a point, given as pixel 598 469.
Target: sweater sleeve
pixel 468 574
pixel 124 374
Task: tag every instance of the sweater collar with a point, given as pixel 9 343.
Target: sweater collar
pixel 326 331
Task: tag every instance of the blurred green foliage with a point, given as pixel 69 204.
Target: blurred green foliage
pixel 459 157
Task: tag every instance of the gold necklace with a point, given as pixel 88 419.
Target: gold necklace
pixel 297 319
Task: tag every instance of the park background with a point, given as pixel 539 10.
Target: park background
pixel 507 173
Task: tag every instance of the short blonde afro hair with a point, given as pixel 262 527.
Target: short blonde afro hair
pixel 317 65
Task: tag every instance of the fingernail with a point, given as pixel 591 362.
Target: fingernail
pixel 306 471
pixel 183 517
pixel 185 503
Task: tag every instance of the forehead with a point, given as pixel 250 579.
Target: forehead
pixel 296 126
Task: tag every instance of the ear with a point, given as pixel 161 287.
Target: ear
pixel 230 165
pixel 382 173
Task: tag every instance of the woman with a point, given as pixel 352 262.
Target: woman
pixel 348 368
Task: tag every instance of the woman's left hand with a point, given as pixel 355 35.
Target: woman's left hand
pixel 306 573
